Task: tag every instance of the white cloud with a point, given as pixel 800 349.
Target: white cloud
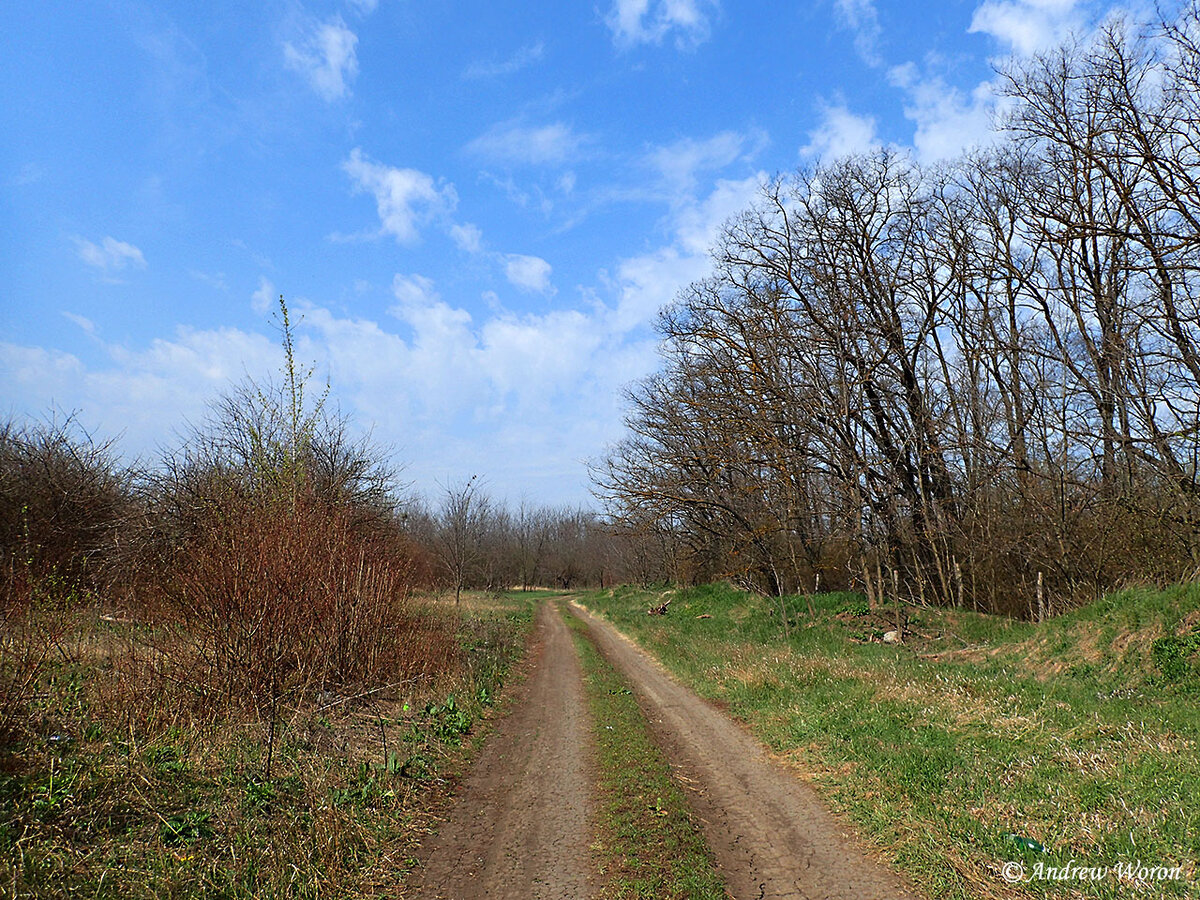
pixel 451 364
pixel 84 323
pixel 546 351
pixel 839 133
pixel 452 393
pixel 263 299
pixel 110 255
pixel 404 198
pixel 412 291
pixel 521 397
pixel 215 280
pixel 645 283
pixel 861 17
pixel 513 143
pixel 1027 26
pixel 528 273
pixel 32 373
pixel 699 224
pixel 947 120
pixel 521 59
pixel 143 394
pixel 649 21
pixel 364 7
pixel 467 237
pixel 326 56
pixel 681 162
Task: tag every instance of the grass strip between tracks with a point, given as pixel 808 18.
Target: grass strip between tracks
pixel 647 844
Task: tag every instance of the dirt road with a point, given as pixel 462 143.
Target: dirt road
pixel 521 826
pixel 771 834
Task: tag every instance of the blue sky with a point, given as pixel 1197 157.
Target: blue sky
pixel 478 207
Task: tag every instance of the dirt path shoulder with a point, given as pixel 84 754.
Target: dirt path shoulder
pixel 520 826
pixel 772 835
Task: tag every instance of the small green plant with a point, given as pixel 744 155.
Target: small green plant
pixel 449 721
pixel 258 794
pixel 393 764
pixel 1172 655
pixel 185 828
pixel 856 607
pixel 418 767
pixel 57 791
pixel 165 760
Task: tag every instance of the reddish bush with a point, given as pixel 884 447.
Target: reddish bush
pixel 279 600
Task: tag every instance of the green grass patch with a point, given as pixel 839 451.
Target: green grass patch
pixel 978 738
pixel 647 843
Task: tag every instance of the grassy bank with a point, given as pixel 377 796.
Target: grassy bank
pixel 647 844
pixel 976 742
pixel 106 791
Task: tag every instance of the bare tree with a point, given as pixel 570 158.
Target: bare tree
pixel 946 383
pixel 460 528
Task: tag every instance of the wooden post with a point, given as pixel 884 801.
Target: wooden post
pixel 896 598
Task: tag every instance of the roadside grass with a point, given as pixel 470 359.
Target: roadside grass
pixel 978 741
pixel 102 797
pixel 647 844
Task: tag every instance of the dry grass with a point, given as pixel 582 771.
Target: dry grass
pixel 117 786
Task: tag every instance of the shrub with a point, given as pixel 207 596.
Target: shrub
pixel 63 498
pixel 279 600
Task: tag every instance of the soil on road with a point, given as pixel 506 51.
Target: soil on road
pixel 522 825
pixel 771 834
pixel 521 828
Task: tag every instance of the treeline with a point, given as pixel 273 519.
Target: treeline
pixel 976 383
pixel 479 542
pixel 77 520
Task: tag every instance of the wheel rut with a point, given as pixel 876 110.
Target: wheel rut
pixel 772 835
pixel 521 827
pixel 522 824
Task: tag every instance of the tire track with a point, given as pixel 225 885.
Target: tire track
pixel 521 827
pixel 772 835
